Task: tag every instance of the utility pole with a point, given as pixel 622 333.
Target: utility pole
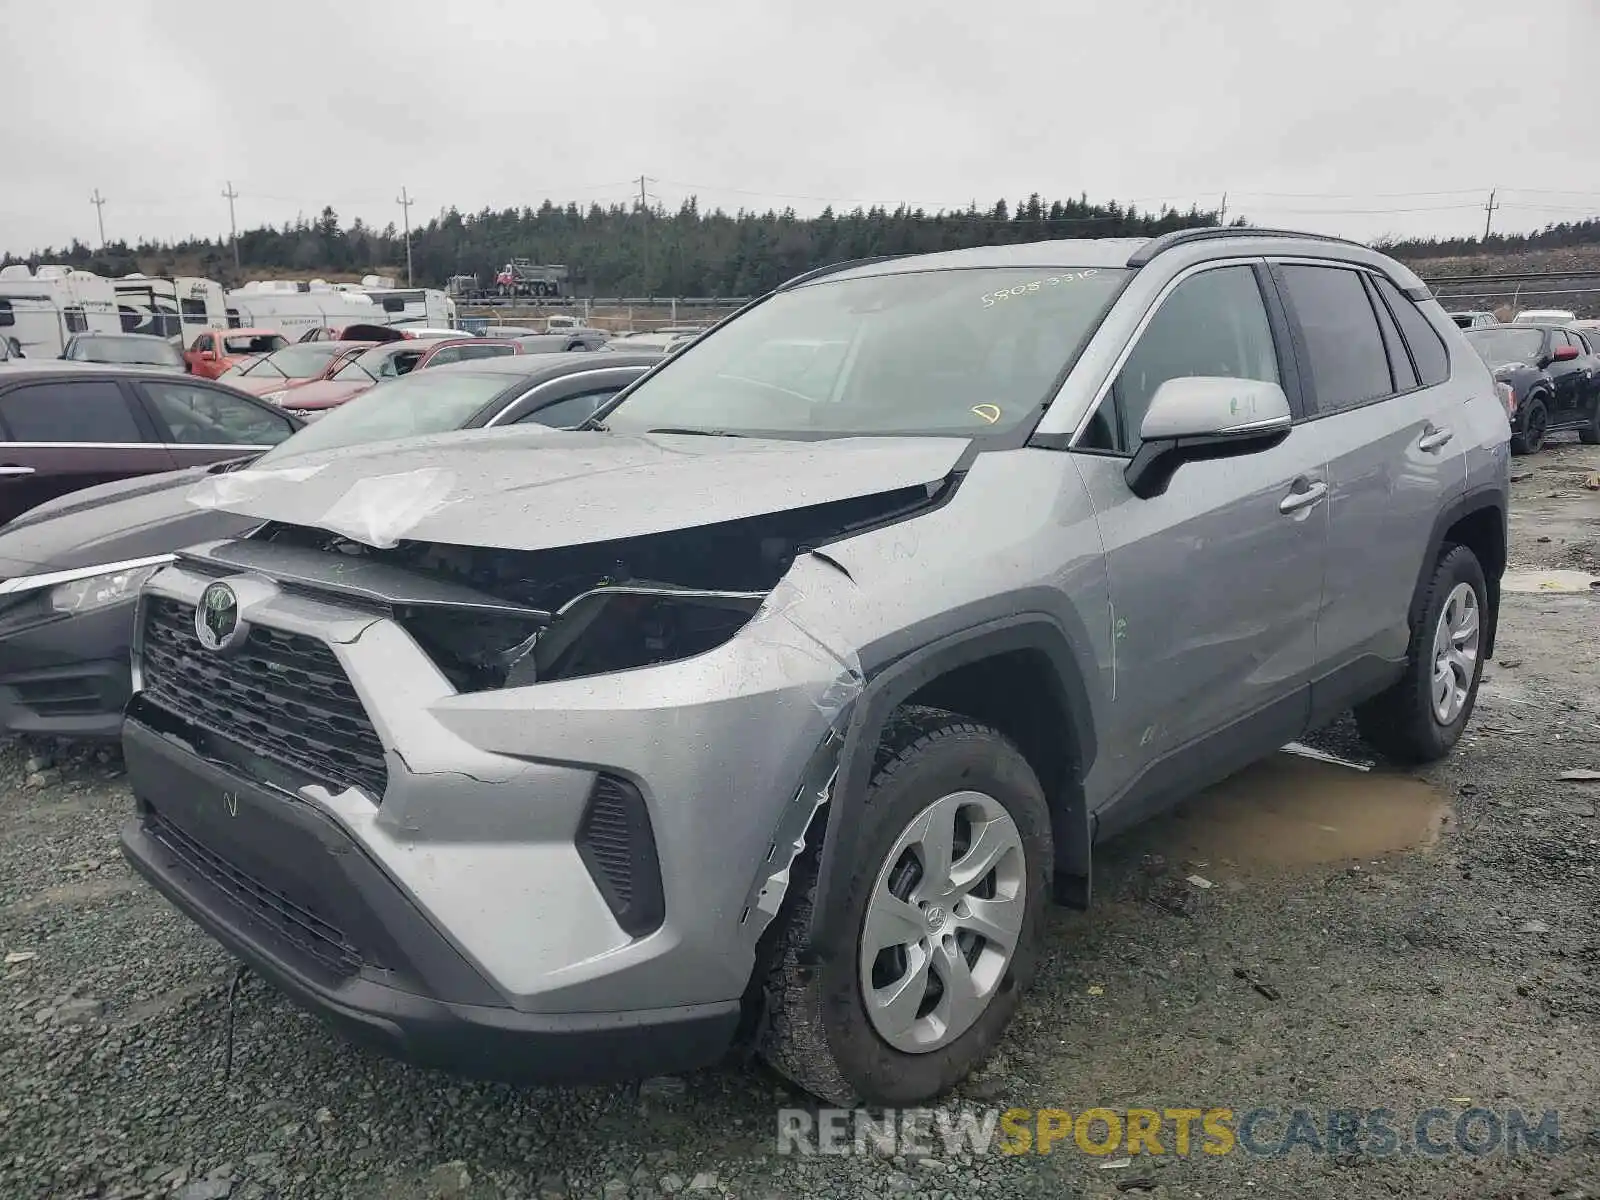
pixel 1488 210
pixel 1222 213
pixel 405 202
pixel 99 203
pixel 643 202
pixel 230 196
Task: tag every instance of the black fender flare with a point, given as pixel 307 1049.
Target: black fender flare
pixel 888 687
pixel 1493 496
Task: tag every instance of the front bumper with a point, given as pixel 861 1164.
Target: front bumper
pixel 474 806
pixel 67 677
pixel 284 888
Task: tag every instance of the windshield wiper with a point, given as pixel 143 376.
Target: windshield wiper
pixel 698 432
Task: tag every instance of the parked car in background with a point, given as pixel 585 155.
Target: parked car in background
pixel 218 351
pixel 73 566
pixel 1554 377
pixel 390 361
pixel 124 350
pixel 1544 316
pixel 1475 319
pixel 781 706
pixel 563 341
pixel 273 376
pixel 376 333
pixel 69 427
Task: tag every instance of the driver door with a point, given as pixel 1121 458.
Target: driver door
pixel 1215 584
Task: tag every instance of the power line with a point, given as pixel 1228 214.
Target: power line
pixel 99 203
pixel 233 226
pixel 405 202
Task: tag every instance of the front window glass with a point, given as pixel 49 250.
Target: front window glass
pixel 429 402
pixel 960 352
pixel 305 361
pixel 1504 344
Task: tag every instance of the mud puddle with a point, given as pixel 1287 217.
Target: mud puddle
pixel 1290 811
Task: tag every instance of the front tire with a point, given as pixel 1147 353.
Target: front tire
pixel 944 906
pixel 1420 719
pixel 1535 424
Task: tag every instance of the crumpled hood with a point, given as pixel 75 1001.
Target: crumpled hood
pixel 534 488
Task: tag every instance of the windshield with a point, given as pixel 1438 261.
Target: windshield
pixel 307 360
pixel 381 362
pixel 958 352
pixel 1506 345
pixel 432 402
pixel 151 351
pixel 255 343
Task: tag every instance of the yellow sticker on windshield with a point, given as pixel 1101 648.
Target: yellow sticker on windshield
pixel 989 412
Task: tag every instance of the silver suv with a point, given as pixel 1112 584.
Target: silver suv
pixel 776 705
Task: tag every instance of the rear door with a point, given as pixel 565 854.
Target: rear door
pixel 202 424
pixel 61 436
pixel 1384 408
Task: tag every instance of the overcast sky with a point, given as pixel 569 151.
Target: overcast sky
pixel 1360 117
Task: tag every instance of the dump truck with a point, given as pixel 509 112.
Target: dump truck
pixel 524 277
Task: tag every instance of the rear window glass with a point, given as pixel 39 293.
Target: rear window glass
pixel 88 411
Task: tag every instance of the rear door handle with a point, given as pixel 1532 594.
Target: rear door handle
pixel 1303 497
pixel 15 470
pixel 1434 438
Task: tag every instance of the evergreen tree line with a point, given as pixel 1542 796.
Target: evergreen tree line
pixel 623 250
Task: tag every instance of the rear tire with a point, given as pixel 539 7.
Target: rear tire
pixel 1420 719
pixel 1535 424
pixel 1589 432
pixel 831 1028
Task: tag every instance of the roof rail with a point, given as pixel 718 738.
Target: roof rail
pixel 1182 237
pixel 830 269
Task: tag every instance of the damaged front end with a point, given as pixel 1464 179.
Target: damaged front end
pixel 516 618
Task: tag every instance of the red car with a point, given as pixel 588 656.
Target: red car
pixel 272 376
pixel 390 361
pixel 218 350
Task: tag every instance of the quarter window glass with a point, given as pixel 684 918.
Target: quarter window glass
pixel 76 322
pixel 1213 324
pixel 564 414
pixel 199 416
pixel 91 411
pixel 1405 377
pixel 1343 346
pixel 1427 347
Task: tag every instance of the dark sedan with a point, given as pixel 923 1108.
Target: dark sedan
pixel 1554 377
pixel 66 427
pixel 74 567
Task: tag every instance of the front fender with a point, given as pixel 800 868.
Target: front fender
pixel 899 673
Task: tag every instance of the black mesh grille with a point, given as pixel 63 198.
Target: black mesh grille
pixel 282 695
pixel 617 845
pixel 310 935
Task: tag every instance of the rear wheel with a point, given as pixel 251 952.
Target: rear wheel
pixel 944 907
pixel 1421 717
pixel 1535 424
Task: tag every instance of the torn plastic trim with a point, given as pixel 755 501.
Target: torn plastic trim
pixel 376 583
pixel 771 885
pixel 816 641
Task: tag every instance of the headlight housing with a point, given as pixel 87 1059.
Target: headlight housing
pixel 100 591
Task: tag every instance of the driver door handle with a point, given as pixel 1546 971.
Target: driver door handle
pixel 1298 499
pixel 1433 438
pixel 13 470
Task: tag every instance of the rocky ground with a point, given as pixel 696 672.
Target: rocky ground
pixel 1311 936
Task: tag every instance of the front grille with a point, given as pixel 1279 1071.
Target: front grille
pixel 313 937
pixel 282 695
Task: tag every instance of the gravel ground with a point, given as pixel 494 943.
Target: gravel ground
pixel 1458 973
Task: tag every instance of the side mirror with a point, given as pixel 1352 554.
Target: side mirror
pixel 1197 417
pixel 1564 354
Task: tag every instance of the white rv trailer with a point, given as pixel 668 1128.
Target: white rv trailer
pixel 178 308
pixel 293 307
pixel 40 310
